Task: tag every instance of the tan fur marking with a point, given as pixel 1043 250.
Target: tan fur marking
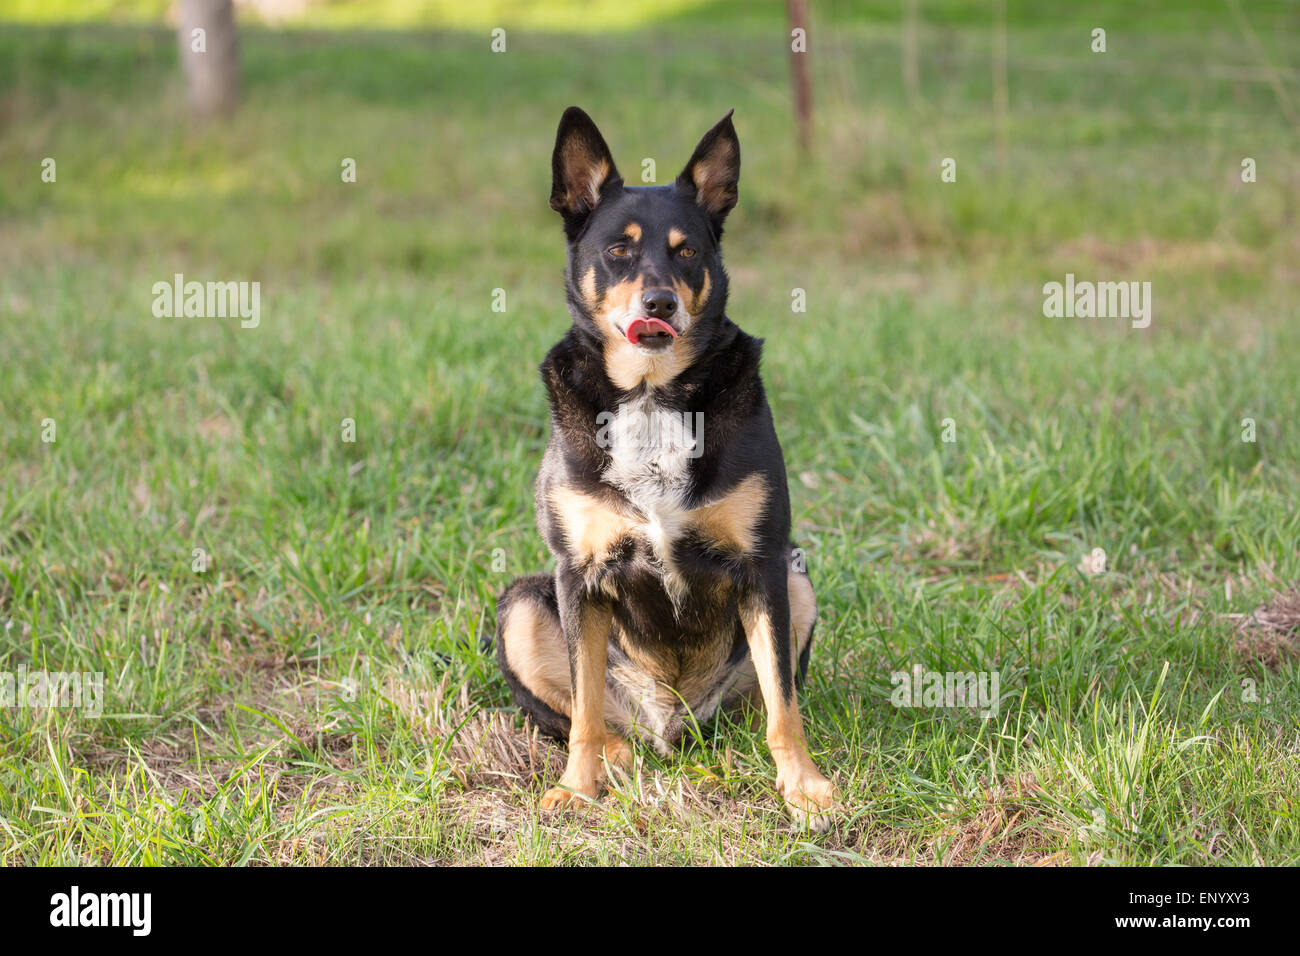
pixel 588 728
pixel 710 176
pixel 587 732
pixel 617 307
pixel 596 180
pixel 534 650
pixel 701 300
pixel 803 608
pixel 625 367
pixel 590 526
pixel 803 615
pixel 618 752
pixel 628 368
pixel 587 286
pixel 806 791
pixel 784 727
pixel 633 231
pixel 729 522
pixel 660 370
pixel 585 175
pixel 694 301
pixel 675 237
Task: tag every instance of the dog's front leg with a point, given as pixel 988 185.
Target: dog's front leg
pixel 586 626
pixel 765 615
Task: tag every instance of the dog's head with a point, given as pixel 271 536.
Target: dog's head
pixel 645 276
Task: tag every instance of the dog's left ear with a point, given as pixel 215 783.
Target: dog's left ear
pixel 713 173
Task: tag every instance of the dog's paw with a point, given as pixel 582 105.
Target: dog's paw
pixel 565 797
pixel 618 757
pixel 811 800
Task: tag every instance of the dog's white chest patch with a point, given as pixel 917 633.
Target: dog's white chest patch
pixel 650 452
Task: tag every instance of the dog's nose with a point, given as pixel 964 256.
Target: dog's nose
pixel 659 303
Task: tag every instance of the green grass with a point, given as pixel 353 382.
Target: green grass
pixel 319 694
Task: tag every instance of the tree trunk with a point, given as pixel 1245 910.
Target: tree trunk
pixel 209 56
pixel 1001 98
pixel 797 11
pixel 912 54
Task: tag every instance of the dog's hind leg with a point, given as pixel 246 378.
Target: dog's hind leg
pixel 530 650
pixel 535 661
pixel 803 620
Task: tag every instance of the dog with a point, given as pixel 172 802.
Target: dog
pixel 662 492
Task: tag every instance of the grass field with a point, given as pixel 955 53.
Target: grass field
pixel 318 694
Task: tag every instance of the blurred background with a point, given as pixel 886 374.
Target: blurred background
pixel 1061 151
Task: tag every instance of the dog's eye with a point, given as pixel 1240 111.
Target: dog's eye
pixel 687 252
pixel 618 251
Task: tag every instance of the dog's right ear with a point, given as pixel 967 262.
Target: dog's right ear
pixel 581 168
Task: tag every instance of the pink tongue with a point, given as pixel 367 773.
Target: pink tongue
pixel 641 326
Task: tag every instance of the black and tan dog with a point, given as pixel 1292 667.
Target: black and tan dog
pixel 662 492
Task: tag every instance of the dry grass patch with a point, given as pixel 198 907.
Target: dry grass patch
pixel 1270 635
pixel 1010 826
